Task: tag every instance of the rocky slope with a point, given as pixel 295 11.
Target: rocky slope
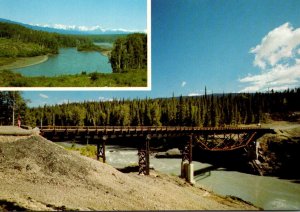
pixel 279 153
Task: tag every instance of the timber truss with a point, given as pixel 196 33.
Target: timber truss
pixel 225 141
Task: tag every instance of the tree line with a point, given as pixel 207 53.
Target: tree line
pixel 107 38
pixel 11 102
pixel 47 42
pixel 129 53
pixel 207 110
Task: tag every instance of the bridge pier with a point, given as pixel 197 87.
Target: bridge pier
pixel 101 149
pixel 144 157
pixel 187 167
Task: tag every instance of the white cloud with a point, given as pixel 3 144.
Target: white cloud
pixel 43 96
pixel 194 94
pixel 183 83
pixel 278 57
pixel 277 45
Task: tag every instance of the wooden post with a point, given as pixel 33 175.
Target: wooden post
pixel 101 149
pixel 148 138
pixel 144 157
pixel 190 148
pixel 98 150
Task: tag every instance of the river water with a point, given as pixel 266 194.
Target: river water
pixel 269 193
pixel 69 61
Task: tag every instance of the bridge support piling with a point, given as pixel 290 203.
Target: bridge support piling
pixel 101 149
pixel 144 157
pixel 187 167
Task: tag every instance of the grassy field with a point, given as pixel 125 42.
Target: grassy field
pixel 87 150
pixel 134 78
pixel 6 61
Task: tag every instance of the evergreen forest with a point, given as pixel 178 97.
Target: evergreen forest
pixel 205 111
pixel 129 53
pixel 19 41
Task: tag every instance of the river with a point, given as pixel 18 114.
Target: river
pixel 69 61
pixel 269 193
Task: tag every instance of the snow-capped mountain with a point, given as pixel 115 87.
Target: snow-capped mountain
pixel 73 29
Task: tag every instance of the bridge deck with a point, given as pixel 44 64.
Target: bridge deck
pixel 144 130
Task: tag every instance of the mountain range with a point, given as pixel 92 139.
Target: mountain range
pixel 74 30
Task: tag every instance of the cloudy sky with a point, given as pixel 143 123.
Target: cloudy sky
pixel 80 14
pixel 278 58
pixel 227 46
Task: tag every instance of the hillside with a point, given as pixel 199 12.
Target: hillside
pixel 39 175
pixel 19 41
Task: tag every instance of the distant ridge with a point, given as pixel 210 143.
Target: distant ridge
pixel 73 30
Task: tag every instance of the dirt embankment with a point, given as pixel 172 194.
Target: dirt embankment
pixel 37 174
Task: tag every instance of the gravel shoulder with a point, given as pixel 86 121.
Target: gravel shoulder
pixel 37 174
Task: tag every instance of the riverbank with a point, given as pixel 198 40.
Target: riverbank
pixel 134 78
pixel 22 62
pixel 39 175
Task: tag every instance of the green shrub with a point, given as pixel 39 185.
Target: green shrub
pixel 94 76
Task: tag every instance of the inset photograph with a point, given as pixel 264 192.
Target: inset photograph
pixel 83 43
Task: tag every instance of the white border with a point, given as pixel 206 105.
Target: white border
pixel 148 88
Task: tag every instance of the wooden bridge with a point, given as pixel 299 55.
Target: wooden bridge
pixel 208 138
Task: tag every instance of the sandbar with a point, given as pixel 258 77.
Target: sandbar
pixel 22 62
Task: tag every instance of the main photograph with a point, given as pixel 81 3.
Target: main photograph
pixel 99 44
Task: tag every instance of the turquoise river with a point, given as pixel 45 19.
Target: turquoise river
pixel 69 61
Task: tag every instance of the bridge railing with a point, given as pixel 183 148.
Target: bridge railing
pixel 148 128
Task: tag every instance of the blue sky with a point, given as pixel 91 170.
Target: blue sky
pixel 110 14
pixel 227 46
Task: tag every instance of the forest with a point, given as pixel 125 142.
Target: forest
pixel 207 110
pixel 129 52
pixel 107 38
pixel 14 36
